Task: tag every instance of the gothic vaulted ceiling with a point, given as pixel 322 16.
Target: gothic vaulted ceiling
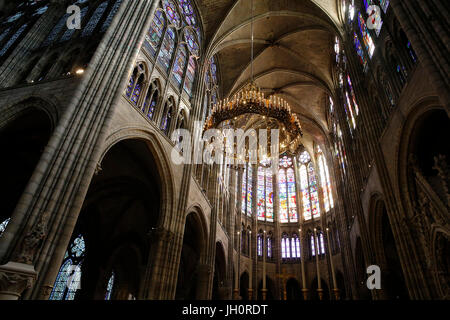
pixel 293 49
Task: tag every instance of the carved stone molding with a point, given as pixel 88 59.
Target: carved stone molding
pixel 15 278
pixel 31 242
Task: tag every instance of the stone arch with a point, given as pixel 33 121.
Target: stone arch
pixel 293 290
pixel 26 128
pixel 441 260
pixel 219 280
pixel 162 162
pixel 193 253
pixel 243 285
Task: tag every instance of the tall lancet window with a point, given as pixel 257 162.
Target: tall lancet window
pixel 3 226
pixel 93 21
pixel 308 183
pixel 69 276
pixel 287 191
pixel 111 15
pixel 325 181
pixel 110 287
pixel 13 39
pixel 265 194
pixel 247 190
pixel 367 39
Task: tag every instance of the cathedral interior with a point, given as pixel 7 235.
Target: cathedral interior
pixel 352 203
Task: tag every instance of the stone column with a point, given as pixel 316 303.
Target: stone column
pixel 53 198
pixel 422 23
pixel 15 278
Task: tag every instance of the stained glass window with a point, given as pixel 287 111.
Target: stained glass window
pixel 359 51
pixel 137 90
pixel 337 49
pixel 367 39
pixel 269 195
pixel 313 247
pixel 189 37
pixel 180 63
pixel 130 86
pixel 56 30
pixel 325 181
pixel 247 190
pixel 351 10
pixel 261 207
pixel 189 12
pixel 213 67
pixel 411 51
pixel 269 246
pixel 167 117
pixel 287 191
pixel 168 47
pixel 154 35
pixel 111 15
pixel 69 32
pixel 190 75
pixel 172 13
pixel 352 92
pixel 308 184
pixel 315 208
pixel 4 34
pixel 305 192
pixel 110 287
pixel 295 245
pixel 384 5
pixel 349 112
pixel 260 245
pixel 89 29
pixel 3 226
pixel 265 194
pixel 13 39
pixel 321 243
pixel 69 276
pixel 285 247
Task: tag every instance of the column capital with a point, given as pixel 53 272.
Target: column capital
pixel 15 278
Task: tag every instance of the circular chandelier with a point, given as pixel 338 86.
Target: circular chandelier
pixel 251 101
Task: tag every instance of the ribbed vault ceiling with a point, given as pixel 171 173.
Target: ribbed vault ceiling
pixel 293 51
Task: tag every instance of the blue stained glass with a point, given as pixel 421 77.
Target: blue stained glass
pixel 4 34
pixel 111 15
pixel 192 43
pixel 367 39
pixel 69 276
pixel 411 51
pixel 109 287
pixel 190 75
pixel 13 18
pixel 56 30
pixel 384 4
pixel 69 33
pixel 3 226
pixel 13 39
pixel 154 35
pixel 180 63
pixel 213 70
pixel 359 51
pixel 189 12
pixel 167 49
pixel 40 11
pixel 172 13
pixel 131 83
pixel 89 29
